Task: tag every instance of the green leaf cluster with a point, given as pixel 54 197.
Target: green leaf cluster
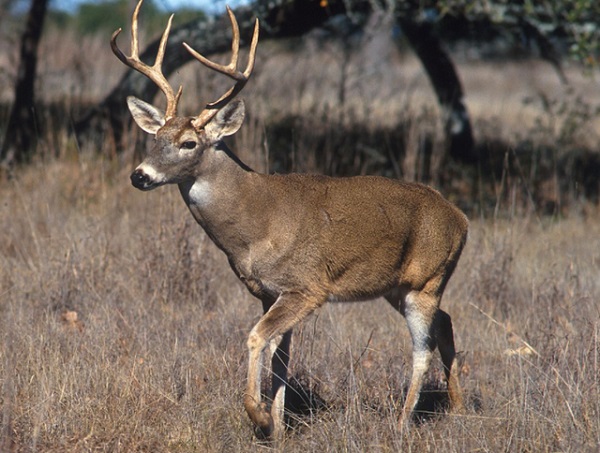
pixel 106 16
pixel 574 22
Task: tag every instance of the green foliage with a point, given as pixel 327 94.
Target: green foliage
pixel 106 16
pixel 579 19
pixel 572 21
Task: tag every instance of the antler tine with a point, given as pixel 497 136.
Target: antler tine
pixel 154 72
pixel 230 70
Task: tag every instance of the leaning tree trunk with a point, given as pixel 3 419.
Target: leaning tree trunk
pixel 22 130
pixel 447 87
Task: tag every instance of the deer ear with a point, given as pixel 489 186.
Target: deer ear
pixel 147 117
pixel 227 122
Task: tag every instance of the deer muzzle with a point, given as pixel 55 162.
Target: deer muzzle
pixel 141 180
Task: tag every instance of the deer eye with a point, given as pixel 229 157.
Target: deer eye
pixel 190 144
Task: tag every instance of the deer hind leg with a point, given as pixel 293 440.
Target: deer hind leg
pixel 419 309
pixel 428 333
pixel 445 341
pixel 282 316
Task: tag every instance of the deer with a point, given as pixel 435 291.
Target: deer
pixel 297 241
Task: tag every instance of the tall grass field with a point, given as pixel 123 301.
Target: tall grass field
pixel 122 328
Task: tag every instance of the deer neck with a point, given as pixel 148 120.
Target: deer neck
pixel 223 197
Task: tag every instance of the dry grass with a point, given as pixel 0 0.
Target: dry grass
pixel 123 329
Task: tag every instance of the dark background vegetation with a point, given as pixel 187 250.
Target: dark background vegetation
pixel 122 327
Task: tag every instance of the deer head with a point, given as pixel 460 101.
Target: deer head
pixel 180 142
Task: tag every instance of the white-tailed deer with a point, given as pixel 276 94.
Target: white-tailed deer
pixel 297 241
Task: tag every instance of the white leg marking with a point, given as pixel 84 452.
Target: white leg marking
pixel 419 325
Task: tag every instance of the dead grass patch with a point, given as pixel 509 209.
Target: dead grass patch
pixel 155 359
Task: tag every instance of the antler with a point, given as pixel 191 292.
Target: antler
pixel 230 70
pixel 154 72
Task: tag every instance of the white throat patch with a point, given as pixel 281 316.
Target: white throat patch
pixel 200 193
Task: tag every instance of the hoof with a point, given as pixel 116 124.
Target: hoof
pixel 263 422
pixel 263 433
pixel 264 428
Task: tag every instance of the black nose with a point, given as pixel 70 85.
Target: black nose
pixel 139 179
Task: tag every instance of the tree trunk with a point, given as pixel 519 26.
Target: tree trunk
pixel 447 87
pixel 22 130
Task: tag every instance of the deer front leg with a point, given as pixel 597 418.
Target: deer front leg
pixel 284 314
pixel 256 409
pixel 280 354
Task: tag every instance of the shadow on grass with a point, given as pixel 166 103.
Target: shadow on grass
pixel 303 402
pixel 433 402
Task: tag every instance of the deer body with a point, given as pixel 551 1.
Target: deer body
pixel 298 241
pixel 353 238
